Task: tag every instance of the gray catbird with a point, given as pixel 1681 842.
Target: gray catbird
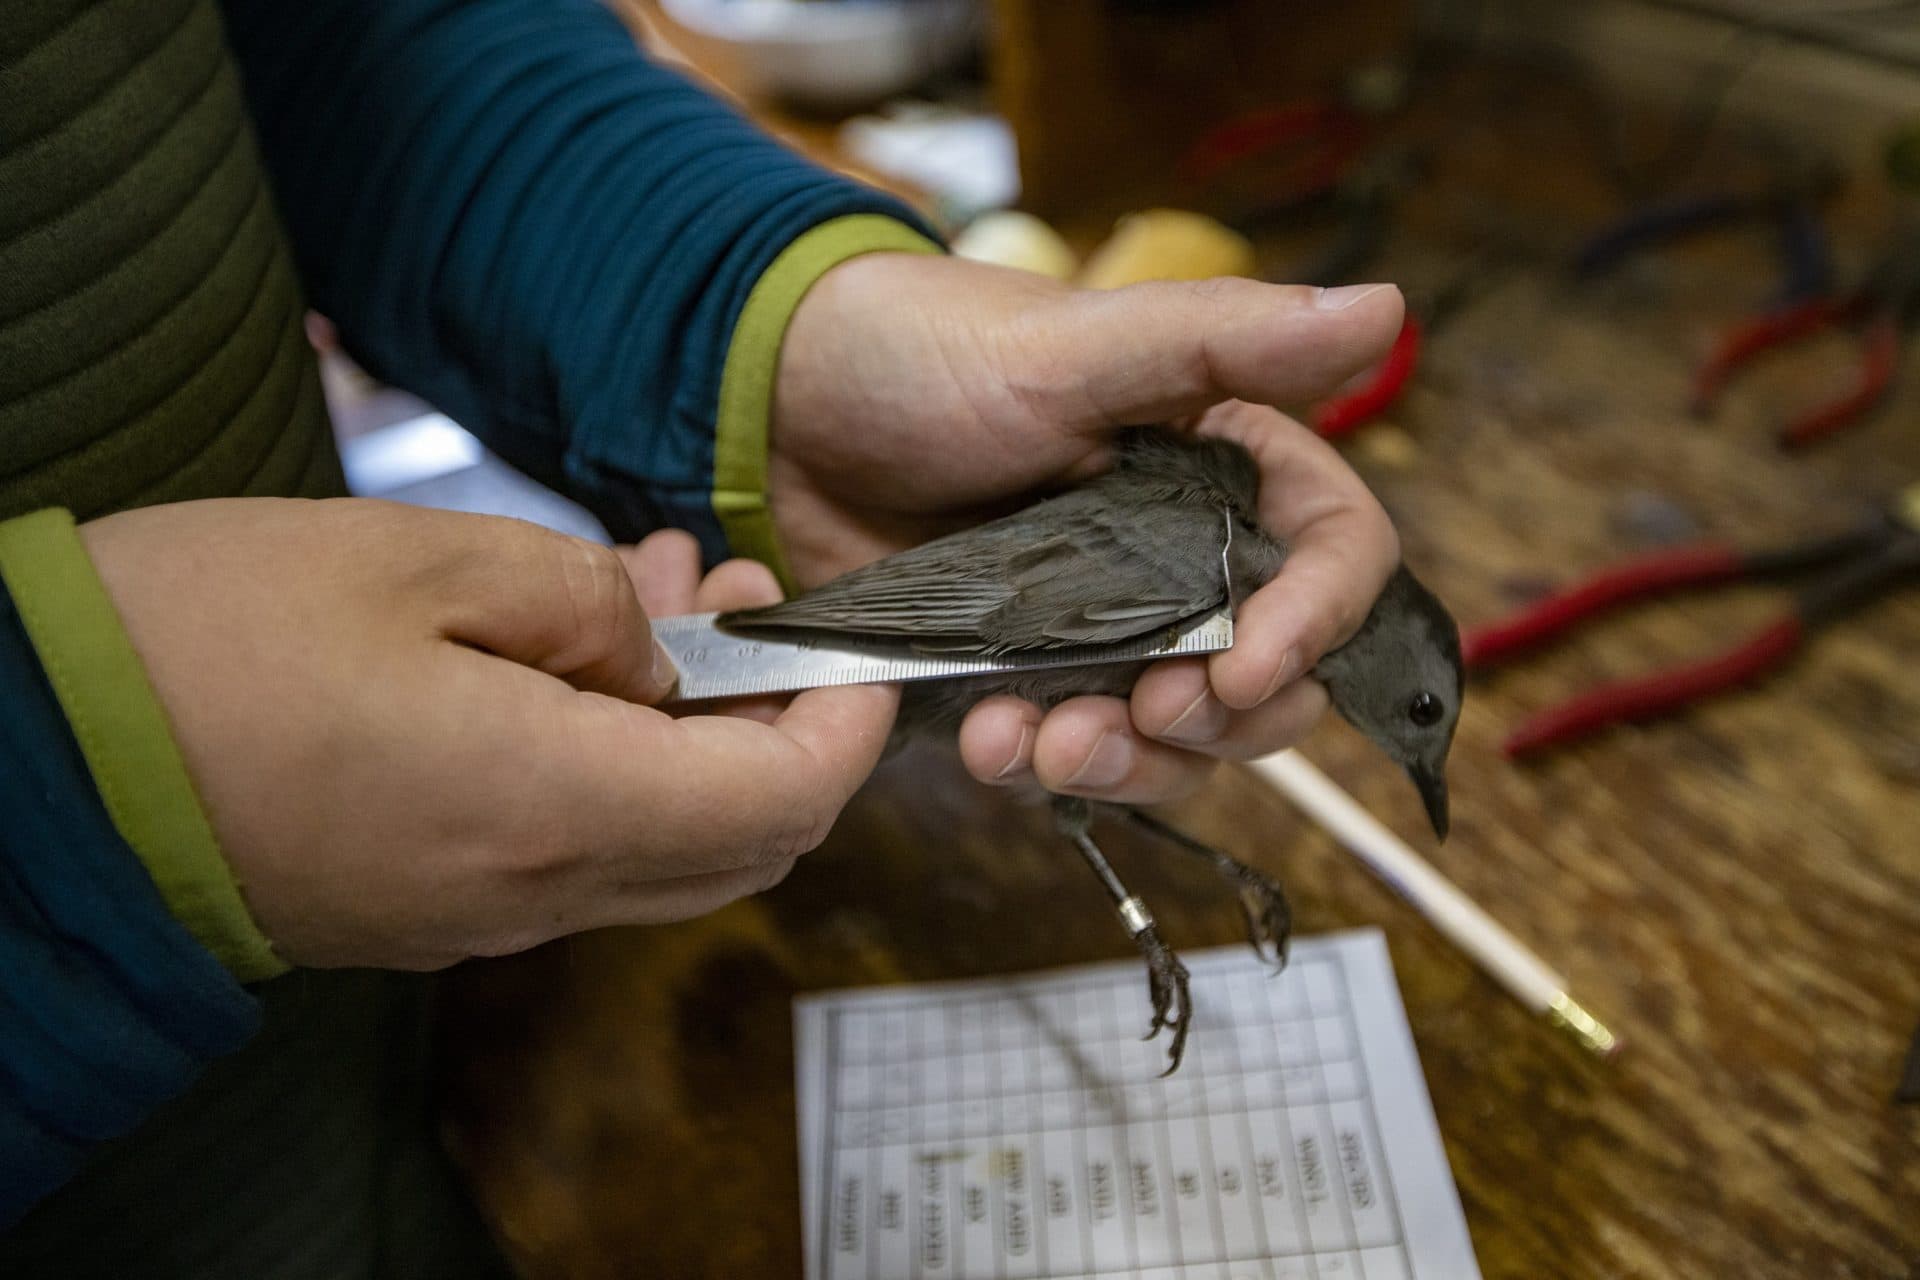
pixel 1170 533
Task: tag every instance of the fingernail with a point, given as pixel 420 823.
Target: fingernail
pixel 1106 764
pixel 1289 669
pixel 1345 296
pixel 664 672
pixel 1022 756
pixel 1204 720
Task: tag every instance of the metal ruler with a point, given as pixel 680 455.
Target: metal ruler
pixel 715 663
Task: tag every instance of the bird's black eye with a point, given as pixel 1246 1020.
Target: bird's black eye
pixel 1425 710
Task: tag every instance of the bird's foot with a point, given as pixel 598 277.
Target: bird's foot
pixel 1166 976
pixel 1268 917
pixel 1263 903
pixel 1167 989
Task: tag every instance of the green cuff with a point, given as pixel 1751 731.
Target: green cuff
pixel 123 734
pixel 753 357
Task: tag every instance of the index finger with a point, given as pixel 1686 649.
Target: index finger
pixel 1341 550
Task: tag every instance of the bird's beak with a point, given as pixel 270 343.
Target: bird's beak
pixel 1432 783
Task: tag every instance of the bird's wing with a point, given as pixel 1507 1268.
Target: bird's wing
pixel 907 600
pixel 1083 574
pixel 1108 579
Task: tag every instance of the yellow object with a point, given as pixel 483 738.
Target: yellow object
pixel 1167 244
pixel 1588 1031
pixel 1908 507
pixel 1009 238
pixel 753 357
pixel 1386 444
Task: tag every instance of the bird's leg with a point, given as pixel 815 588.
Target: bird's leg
pixel 1166 976
pixel 1263 903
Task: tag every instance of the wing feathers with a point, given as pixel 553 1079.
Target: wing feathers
pixel 1074 570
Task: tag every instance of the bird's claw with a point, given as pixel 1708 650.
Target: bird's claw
pixel 1263 903
pixel 1268 917
pixel 1167 989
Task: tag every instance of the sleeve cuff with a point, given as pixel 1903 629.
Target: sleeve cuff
pixel 124 736
pixel 753 358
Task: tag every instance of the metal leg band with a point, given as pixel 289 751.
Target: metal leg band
pixel 1134 915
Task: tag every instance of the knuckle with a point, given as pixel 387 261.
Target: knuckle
pixel 598 595
pixel 600 562
pixel 1300 297
pixel 1215 291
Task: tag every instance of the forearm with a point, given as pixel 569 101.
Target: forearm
pixel 508 209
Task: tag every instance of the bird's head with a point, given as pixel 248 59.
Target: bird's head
pixel 1399 682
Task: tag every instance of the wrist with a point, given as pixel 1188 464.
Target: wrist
pixel 125 736
pixel 759 346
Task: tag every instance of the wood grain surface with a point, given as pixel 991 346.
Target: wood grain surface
pixel 1736 892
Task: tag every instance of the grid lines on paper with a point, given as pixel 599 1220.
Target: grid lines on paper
pixel 1023 1131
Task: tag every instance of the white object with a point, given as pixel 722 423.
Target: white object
pixel 834 53
pixel 406 453
pixel 1010 238
pixel 1019 1127
pixel 1503 956
pixel 967 160
pixel 431 461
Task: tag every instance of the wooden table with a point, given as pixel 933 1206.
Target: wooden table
pixel 1736 892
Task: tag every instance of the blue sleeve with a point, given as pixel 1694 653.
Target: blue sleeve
pixel 507 209
pixel 108 1007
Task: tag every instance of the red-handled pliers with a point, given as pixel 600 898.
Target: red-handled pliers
pixel 1853 569
pixel 1319 137
pixel 1377 392
pixel 1882 310
pixel 1375 395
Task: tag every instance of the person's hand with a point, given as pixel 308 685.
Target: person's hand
pixel 916 395
pixel 421 736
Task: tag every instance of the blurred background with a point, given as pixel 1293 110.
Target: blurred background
pixel 1662 260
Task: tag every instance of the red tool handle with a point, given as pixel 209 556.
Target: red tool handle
pixel 1332 132
pixel 1649 696
pixel 1745 341
pixel 1636 579
pixel 1343 414
pixel 1878 362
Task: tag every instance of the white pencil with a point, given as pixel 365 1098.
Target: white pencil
pixel 1454 914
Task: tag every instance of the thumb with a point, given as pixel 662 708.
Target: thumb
pixel 1163 349
pixel 561 605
